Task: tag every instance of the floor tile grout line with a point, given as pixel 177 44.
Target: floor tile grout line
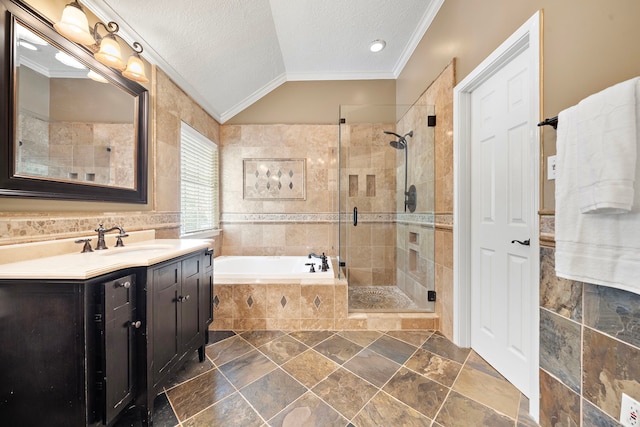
pixel 444 401
pixel 407 342
pixel 236 390
pixel 310 389
pixel 471 398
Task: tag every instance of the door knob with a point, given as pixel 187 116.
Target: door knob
pixel 135 324
pixel 525 243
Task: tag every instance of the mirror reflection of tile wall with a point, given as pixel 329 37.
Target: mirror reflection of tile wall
pixel 101 153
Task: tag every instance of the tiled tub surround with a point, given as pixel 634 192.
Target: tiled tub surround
pixel 589 350
pixel 319 304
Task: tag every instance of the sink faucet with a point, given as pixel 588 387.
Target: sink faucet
pixel 101 232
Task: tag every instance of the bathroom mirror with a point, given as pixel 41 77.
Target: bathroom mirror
pixel 72 127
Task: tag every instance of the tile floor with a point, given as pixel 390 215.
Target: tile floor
pixel 346 378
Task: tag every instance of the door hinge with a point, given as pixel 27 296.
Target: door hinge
pixel 431 295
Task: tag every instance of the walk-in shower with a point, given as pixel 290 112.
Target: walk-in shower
pixel 386 227
pixel 409 193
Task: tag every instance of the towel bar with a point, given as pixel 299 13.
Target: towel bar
pixel 553 122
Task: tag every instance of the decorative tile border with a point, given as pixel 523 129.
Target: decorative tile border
pixel 20 228
pixel 258 218
pixel 310 218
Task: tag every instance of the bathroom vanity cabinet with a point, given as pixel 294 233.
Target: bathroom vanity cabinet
pixel 179 311
pixel 79 352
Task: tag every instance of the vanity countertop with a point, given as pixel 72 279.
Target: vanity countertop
pixel 82 266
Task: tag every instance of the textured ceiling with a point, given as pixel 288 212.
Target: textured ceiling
pixel 227 54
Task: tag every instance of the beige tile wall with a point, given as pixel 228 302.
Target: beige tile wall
pixel 280 227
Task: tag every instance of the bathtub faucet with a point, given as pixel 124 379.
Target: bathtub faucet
pixel 323 257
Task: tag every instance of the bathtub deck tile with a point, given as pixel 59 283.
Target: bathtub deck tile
pixel 249 324
pixel 316 324
pixel 250 301
pixel 284 324
pixel 283 301
pixel 316 302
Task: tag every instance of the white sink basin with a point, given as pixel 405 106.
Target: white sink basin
pixel 134 249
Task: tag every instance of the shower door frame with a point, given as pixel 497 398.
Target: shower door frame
pixel 395 216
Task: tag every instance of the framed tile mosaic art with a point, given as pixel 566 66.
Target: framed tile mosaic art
pixel 274 179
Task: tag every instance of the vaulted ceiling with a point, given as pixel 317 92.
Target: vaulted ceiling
pixel 227 54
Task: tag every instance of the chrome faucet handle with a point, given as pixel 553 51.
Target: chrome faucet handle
pixel 87 245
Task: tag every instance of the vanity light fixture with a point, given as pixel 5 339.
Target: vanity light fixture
pixel 74 25
pixel 377 45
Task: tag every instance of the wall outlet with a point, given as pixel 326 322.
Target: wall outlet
pixel 629 412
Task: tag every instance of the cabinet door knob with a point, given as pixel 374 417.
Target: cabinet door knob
pixel 182 298
pixel 126 284
pixel 135 324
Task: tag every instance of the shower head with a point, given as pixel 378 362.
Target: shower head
pixel 401 143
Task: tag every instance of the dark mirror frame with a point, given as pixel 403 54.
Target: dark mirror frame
pixel 12 185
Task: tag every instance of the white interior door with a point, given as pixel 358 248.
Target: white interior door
pixel 502 208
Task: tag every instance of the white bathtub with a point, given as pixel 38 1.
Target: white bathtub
pixel 268 268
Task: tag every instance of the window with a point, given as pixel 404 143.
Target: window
pixel 199 182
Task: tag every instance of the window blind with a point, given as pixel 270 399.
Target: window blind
pixel 198 182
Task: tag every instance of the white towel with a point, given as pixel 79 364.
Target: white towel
pixel 602 249
pixel 607 138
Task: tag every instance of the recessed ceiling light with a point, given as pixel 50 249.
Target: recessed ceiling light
pixel 68 60
pixel 96 77
pixel 27 45
pixel 377 45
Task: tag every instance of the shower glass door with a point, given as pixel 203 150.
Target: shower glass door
pixel 386 206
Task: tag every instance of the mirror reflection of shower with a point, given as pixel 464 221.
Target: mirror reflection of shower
pixel 410 193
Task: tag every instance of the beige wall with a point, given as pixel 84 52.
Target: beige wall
pixel 588 46
pixel 315 102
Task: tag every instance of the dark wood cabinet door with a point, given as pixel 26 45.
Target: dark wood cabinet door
pixel 42 354
pixel 166 317
pixel 190 328
pixel 206 301
pixel 121 327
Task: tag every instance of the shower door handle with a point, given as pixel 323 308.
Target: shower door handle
pixel 355 216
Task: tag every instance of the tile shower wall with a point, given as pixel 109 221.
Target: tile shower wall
pixel 91 152
pixel 415 236
pixel 273 226
pixel 589 349
pixel 370 170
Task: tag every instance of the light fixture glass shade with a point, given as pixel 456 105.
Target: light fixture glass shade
pixel 74 26
pixel 109 53
pixel 135 70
